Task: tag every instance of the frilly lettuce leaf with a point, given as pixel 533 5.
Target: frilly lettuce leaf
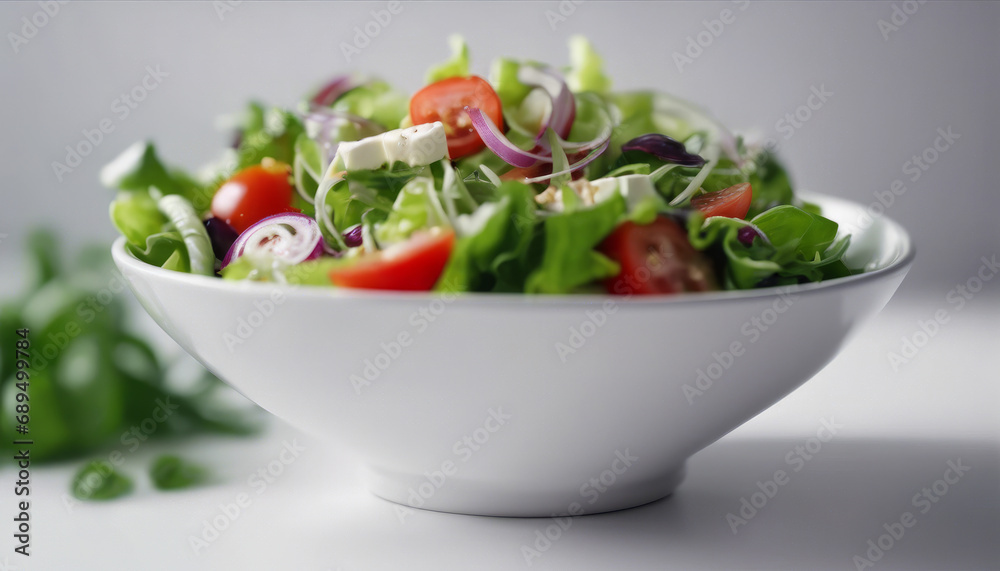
pixel 376 101
pixel 266 132
pixel 800 246
pixel 491 251
pixel 569 260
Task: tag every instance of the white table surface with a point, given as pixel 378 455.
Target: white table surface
pixel 900 429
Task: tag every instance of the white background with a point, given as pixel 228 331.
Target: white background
pixel 938 70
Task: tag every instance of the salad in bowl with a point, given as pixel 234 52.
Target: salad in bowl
pixel 359 266
pixel 536 180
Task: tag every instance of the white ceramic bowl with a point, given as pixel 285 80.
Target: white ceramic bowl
pixel 522 405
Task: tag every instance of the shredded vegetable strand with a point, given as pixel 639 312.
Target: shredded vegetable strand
pixel 448 183
pixel 573 167
pixel 323 215
pixel 695 183
pixel 490 175
pixel 298 168
pixel 658 173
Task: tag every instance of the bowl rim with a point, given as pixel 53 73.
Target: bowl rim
pixel 901 264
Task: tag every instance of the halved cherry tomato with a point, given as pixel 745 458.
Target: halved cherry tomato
pixel 254 193
pixel 733 202
pixel 446 100
pixel 656 258
pixel 414 265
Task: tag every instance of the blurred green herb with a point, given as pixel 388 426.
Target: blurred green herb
pixel 173 473
pixel 98 480
pixel 94 383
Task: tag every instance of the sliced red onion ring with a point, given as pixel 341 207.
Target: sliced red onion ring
pixel 330 92
pixel 665 148
pixel 499 144
pixel 573 167
pixel 289 237
pixel 563 110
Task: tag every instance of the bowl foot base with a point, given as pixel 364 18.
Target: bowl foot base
pixel 457 496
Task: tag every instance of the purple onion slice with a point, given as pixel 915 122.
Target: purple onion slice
pixel 501 145
pixel 329 93
pixel 352 237
pixel 563 110
pixel 289 237
pixel 664 148
pixel 222 236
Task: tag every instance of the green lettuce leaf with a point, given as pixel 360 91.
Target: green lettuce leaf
pixel 139 169
pixel 770 183
pixel 456 66
pixel 491 251
pixel 163 249
pixel 136 216
pixel 376 101
pixel 505 81
pixel 266 132
pixel 801 246
pixel 412 210
pixel 586 68
pixel 569 260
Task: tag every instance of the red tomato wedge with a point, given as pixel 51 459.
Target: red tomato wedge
pixel 414 265
pixel 656 259
pixel 253 194
pixel 733 202
pixel 446 100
